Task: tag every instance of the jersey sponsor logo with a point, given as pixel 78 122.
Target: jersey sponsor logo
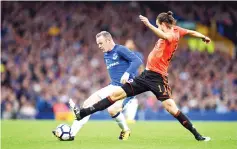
pixel 115 56
pixel 112 64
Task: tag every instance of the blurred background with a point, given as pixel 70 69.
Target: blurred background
pixel 49 54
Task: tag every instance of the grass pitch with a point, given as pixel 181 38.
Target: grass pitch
pixel 104 135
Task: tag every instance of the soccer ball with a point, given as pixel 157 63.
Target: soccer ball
pixel 63 132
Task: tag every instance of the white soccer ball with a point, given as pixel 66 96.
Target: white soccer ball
pixel 63 132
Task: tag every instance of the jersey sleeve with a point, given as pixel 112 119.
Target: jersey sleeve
pixel 182 31
pixel 130 56
pixel 140 55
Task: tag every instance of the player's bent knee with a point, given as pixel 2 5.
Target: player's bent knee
pixel 170 106
pixel 118 94
pixel 114 110
pixel 111 111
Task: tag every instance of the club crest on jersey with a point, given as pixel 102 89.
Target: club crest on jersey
pixel 115 56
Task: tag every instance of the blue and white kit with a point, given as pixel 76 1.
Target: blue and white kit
pixel 118 61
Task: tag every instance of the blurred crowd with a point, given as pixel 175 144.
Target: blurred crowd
pixel 49 54
pixel 220 16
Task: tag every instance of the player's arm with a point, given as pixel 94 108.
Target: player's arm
pixel 183 31
pixel 156 30
pixel 142 66
pixel 198 35
pixel 134 61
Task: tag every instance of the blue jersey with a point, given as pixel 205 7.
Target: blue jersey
pixel 140 55
pixel 120 60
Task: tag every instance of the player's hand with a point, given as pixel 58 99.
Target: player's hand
pixel 124 78
pixel 206 40
pixel 144 20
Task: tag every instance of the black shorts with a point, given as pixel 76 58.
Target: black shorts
pixel 149 81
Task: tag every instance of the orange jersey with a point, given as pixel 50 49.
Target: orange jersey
pixel 159 58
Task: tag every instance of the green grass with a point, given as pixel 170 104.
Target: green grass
pixel 103 135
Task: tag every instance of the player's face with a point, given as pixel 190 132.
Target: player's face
pixel 103 43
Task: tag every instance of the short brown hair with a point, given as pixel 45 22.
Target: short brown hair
pixel 104 34
pixel 166 17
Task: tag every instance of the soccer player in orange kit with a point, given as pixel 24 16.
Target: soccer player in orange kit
pixel 154 78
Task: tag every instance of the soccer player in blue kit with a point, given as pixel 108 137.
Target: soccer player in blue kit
pixel 122 65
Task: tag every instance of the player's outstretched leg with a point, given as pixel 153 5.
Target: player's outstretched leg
pixel 99 106
pixel 118 94
pixel 117 115
pixel 171 107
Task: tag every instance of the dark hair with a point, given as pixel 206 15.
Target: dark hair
pixel 166 17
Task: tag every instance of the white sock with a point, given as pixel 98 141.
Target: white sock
pixel 120 119
pixel 77 125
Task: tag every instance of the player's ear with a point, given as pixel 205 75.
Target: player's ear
pixel 163 24
pixel 108 40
